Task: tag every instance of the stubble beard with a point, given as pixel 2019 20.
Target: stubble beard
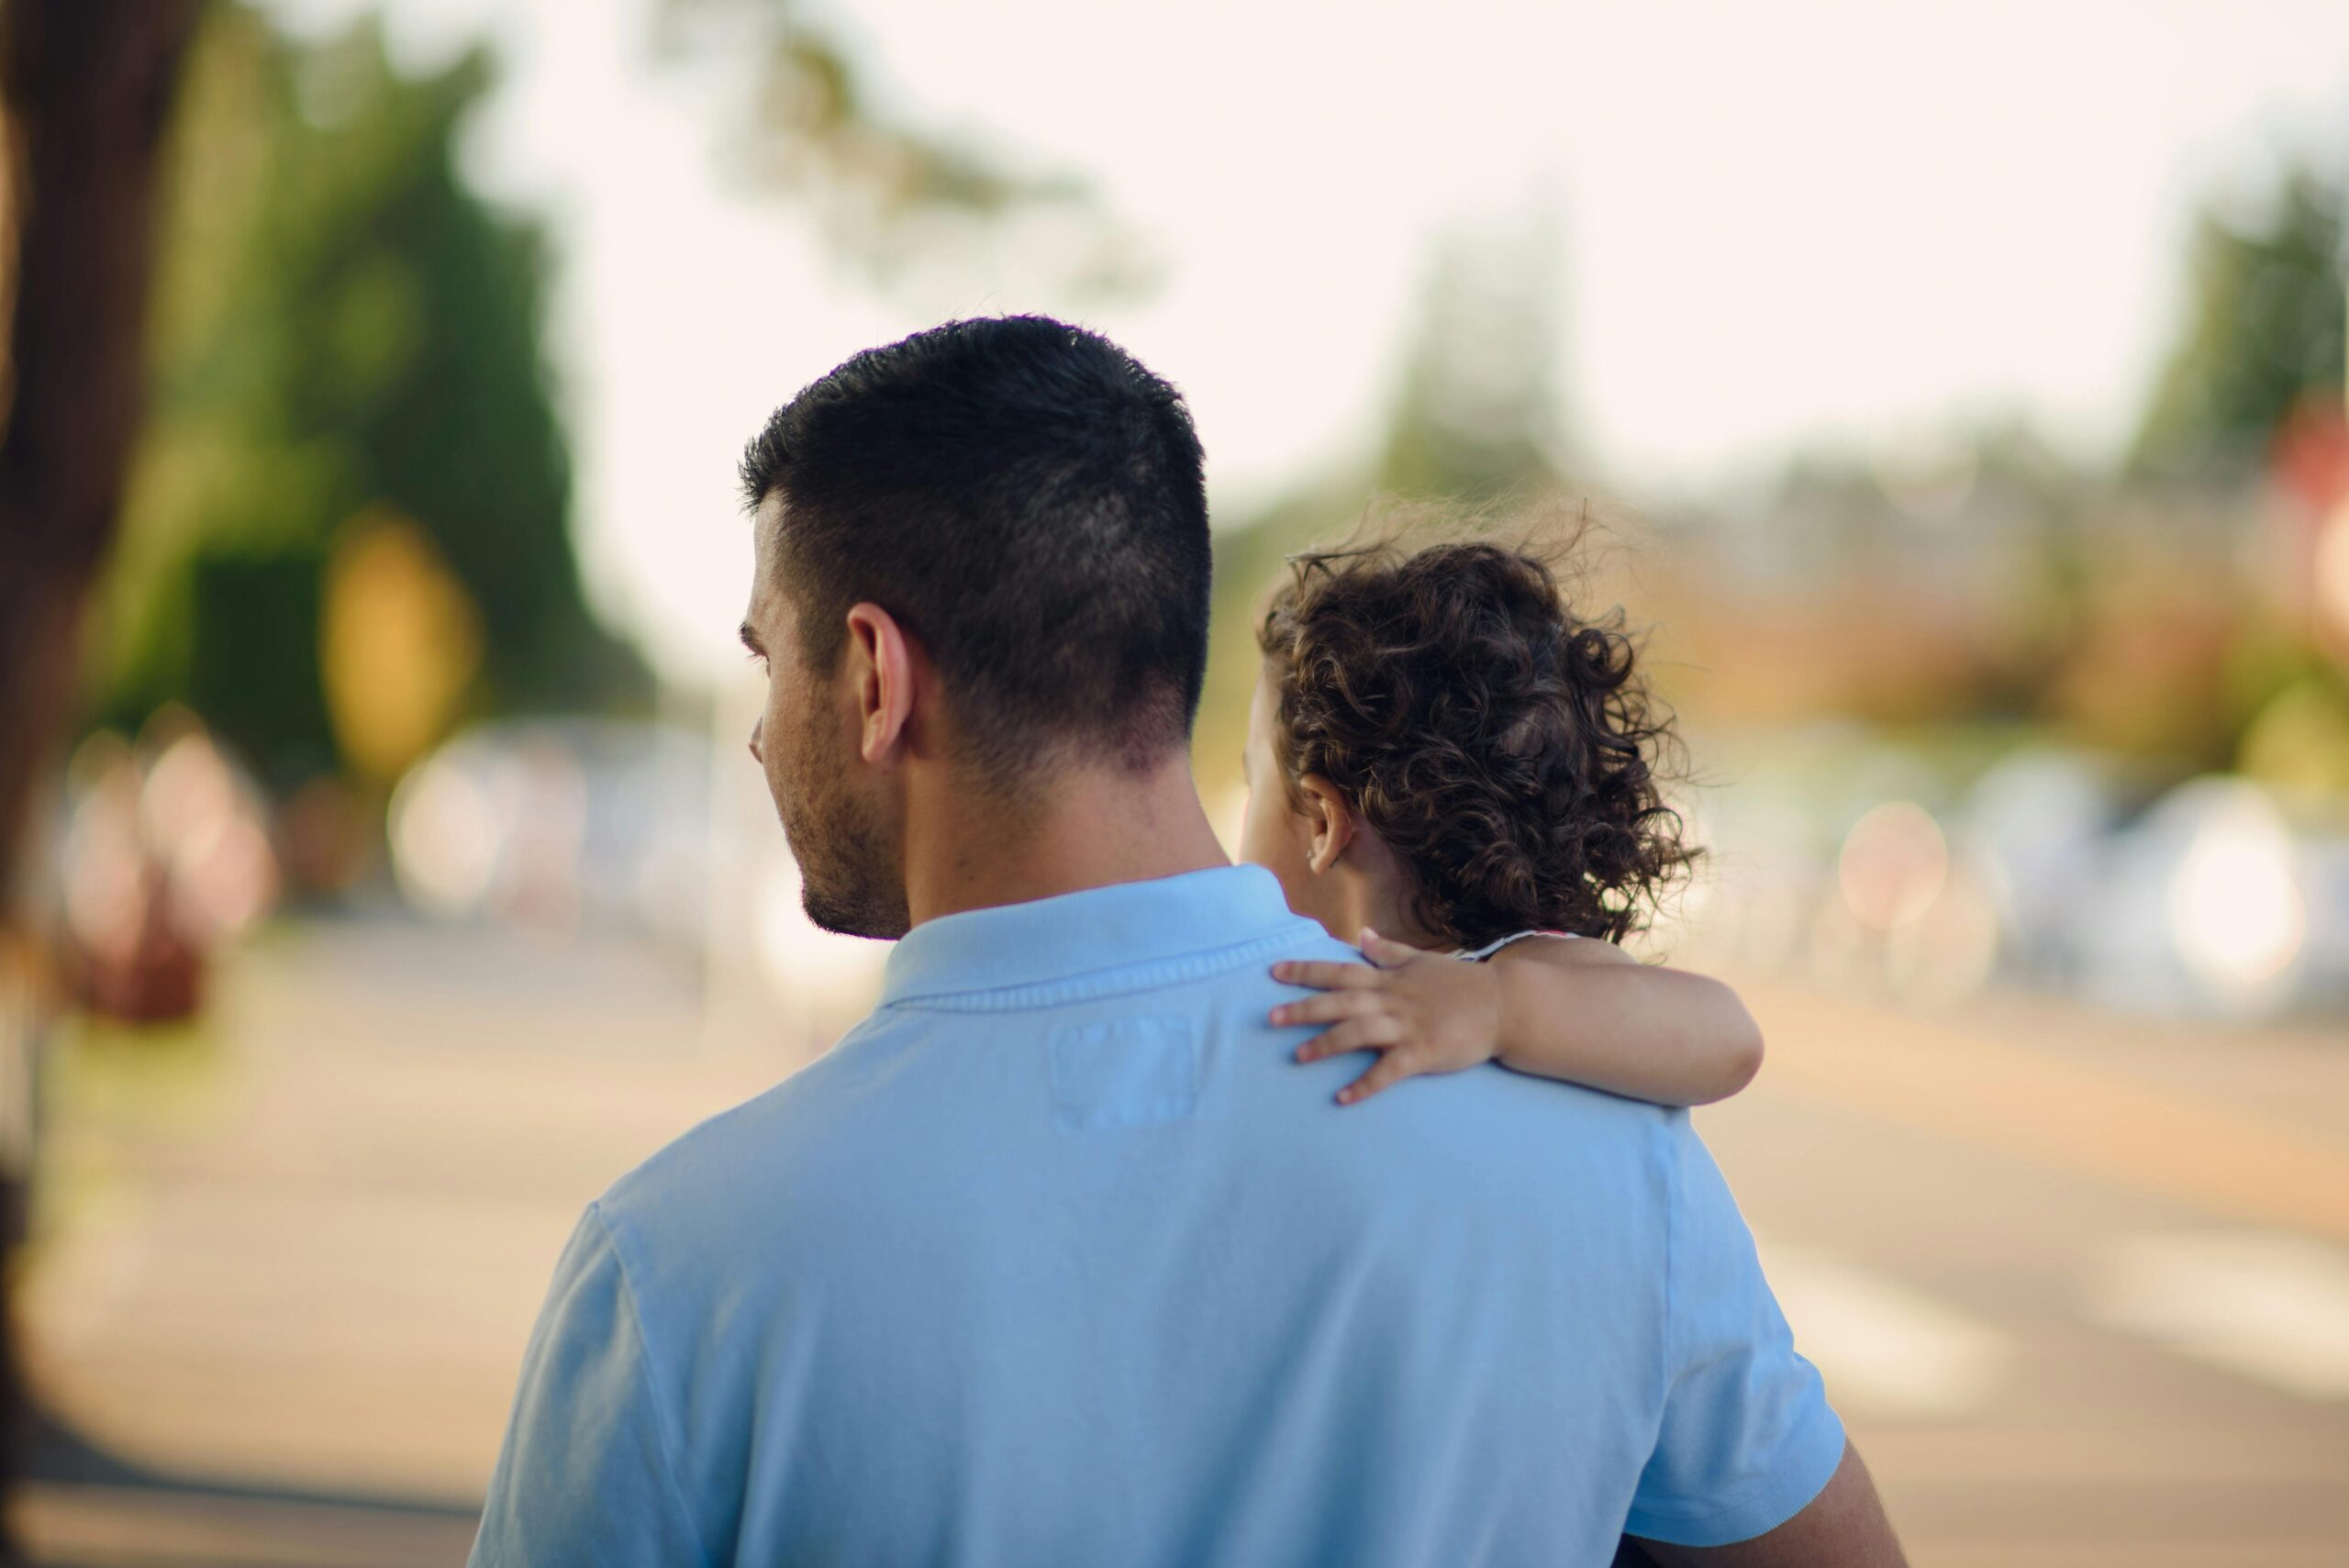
pixel 850 881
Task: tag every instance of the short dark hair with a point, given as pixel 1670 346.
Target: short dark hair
pixel 1506 749
pixel 1029 502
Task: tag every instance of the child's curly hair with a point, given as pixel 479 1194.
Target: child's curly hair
pixel 1504 748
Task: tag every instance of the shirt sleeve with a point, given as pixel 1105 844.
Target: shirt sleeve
pixel 588 1472
pixel 1747 1437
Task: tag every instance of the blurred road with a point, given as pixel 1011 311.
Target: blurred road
pixel 2081 1283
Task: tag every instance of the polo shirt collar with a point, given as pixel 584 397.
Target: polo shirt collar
pixel 1056 938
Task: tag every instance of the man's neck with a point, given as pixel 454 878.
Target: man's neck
pixel 1098 826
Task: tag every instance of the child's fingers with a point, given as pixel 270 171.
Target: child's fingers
pixel 1388 1069
pixel 1327 1007
pixel 1328 977
pixel 1385 951
pixel 1373 1033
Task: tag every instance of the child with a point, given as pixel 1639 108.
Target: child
pixel 1441 752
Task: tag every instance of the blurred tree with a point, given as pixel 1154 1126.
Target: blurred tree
pixel 345 332
pixel 2263 330
pixel 88 85
pixel 1478 414
pixel 2254 388
pixel 88 89
pixel 907 204
pixel 1248 561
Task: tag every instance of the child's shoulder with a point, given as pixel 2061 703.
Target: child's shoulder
pixel 1555 948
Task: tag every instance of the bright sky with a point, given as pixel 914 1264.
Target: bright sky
pixel 1805 222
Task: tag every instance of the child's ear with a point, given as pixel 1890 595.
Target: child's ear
pixel 1331 821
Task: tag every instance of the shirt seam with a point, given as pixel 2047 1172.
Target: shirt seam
pixel 1116 979
pixel 1762 1486
pixel 667 1433
pixel 1667 1371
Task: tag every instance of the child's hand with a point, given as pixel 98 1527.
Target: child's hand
pixel 1427 1012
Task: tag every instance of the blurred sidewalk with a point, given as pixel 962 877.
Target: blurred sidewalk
pixel 301 1250
pixel 290 1264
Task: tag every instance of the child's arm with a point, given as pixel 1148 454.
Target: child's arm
pixel 1587 1011
pixel 1584 1011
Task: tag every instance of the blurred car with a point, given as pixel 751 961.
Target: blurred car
pixel 604 822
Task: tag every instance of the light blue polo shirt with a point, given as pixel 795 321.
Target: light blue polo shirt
pixel 1059 1259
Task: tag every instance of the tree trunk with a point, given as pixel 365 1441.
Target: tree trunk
pixel 87 87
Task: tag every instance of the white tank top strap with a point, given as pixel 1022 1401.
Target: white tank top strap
pixel 1480 954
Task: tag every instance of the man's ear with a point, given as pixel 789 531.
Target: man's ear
pixel 881 665
pixel 1331 818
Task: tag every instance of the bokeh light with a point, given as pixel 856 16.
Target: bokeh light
pixel 1893 864
pixel 2235 904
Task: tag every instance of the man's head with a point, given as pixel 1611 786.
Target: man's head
pixel 986 545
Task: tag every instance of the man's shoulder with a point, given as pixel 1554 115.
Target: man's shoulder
pixel 750 1154
pixel 1492 1132
pixel 848 1137
pixel 1487 1136
pixel 849 1105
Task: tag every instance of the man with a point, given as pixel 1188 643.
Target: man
pixel 1059 1258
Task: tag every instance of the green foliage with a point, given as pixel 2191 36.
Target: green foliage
pixel 342 325
pixel 252 662
pixel 1248 559
pixel 1477 416
pixel 2263 329
pixel 905 203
